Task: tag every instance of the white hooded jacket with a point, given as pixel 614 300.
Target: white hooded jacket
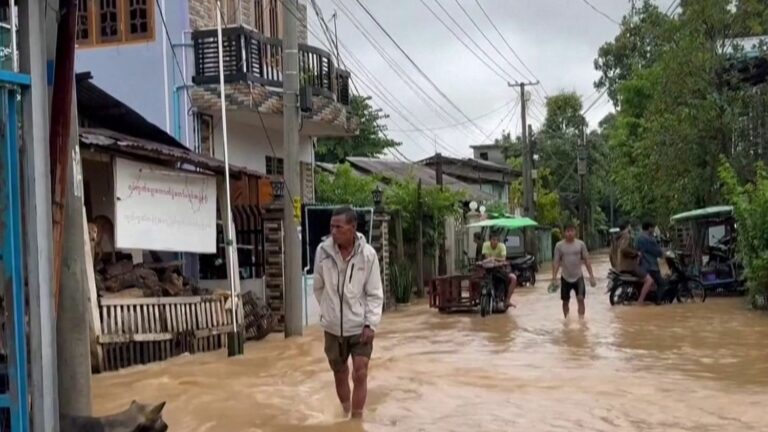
pixel 348 302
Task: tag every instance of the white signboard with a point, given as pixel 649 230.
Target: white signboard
pixel 161 209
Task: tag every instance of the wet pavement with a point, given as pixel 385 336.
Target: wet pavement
pixel 691 367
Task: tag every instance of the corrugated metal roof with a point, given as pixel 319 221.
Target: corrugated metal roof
pixel 396 170
pixel 473 163
pixel 119 144
pixel 98 109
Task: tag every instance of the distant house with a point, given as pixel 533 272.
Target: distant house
pixel 491 177
pixel 490 153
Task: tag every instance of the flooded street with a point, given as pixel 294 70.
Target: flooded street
pixel 698 367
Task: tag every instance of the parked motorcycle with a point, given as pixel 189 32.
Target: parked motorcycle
pixel 678 286
pixel 525 269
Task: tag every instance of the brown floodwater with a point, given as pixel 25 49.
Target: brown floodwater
pixel 693 367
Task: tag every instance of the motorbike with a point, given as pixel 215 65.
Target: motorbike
pixel 679 286
pixel 493 292
pixel 524 268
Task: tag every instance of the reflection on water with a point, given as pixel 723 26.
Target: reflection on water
pixel 670 368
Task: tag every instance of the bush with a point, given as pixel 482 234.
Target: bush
pixel 750 202
pixel 402 279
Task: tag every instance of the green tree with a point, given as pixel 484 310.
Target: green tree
pixel 370 141
pixel 437 205
pixel 344 187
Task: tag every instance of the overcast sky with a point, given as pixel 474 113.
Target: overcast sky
pixel 557 39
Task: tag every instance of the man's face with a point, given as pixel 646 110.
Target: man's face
pixel 342 231
pixel 570 233
pixel 494 242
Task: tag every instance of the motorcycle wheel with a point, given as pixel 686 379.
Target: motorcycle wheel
pixel 486 302
pixel 617 295
pixel 693 292
pixel 533 278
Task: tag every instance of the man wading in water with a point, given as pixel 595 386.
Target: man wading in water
pixel 569 255
pixel 347 285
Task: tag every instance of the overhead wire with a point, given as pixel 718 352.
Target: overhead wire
pixel 506 42
pixel 605 15
pixel 419 69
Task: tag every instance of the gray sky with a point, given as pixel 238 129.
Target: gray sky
pixel 557 40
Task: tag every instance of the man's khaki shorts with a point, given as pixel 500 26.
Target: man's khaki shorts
pixel 338 349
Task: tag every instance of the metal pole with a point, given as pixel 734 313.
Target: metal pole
pixel 229 241
pixel 420 242
pixel 529 206
pixel 14 42
pixel 294 323
pixel 37 217
pixel 442 266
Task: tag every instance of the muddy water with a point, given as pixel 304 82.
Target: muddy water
pixel 672 368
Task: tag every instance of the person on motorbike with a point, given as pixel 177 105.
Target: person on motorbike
pixel 497 251
pixel 650 253
pixel 626 258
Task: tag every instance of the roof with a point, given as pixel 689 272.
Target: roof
pixel 396 170
pixel 485 146
pixel 474 171
pixel 124 145
pixel 102 110
pixel 704 213
pixel 749 47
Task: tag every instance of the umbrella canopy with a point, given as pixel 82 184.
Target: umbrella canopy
pixel 704 213
pixel 509 223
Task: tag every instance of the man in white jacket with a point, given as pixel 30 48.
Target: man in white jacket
pixel 347 285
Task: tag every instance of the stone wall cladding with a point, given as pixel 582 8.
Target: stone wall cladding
pixel 201 14
pixel 303 23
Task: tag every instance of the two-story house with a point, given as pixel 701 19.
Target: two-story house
pixel 161 58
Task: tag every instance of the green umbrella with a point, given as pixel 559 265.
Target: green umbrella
pixel 509 223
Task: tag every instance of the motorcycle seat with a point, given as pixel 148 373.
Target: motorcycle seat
pixel 626 277
pixel 521 260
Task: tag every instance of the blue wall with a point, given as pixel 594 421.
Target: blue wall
pixel 133 72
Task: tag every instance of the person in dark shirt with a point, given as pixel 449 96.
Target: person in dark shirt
pixel 650 253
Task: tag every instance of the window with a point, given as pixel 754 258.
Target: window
pixel 204 132
pixel 484 156
pixel 115 21
pixel 274 166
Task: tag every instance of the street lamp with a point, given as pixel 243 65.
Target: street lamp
pixel 377 195
pixel 278 189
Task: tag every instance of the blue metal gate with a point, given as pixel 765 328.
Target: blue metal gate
pixel 15 399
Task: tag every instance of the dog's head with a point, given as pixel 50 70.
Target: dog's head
pixel 148 418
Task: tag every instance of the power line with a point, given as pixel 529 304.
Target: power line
pixel 669 10
pixel 471 39
pixel 506 42
pixel 477 56
pixel 472 20
pixel 418 68
pixel 608 17
pixel 451 126
pixel 175 58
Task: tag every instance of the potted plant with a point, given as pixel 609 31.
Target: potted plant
pixel 402 281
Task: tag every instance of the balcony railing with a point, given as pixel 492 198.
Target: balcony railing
pixel 249 56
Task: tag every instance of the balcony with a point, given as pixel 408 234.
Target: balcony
pixel 252 58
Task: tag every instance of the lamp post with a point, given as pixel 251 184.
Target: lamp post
pixel 377 195
pixel 278 189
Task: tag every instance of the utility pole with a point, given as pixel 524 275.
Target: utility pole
pixel 442 266
pixel 36 36
pixel 294 322
pixel 420 241
pixel 529 207
pixel 582 171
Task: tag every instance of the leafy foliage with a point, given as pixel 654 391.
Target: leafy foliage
pixel 344 187
pixel 437 205
pixel 369 141
pixel 750 203
pixel 402 280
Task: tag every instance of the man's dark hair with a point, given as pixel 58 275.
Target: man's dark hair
pixel 623 225
pixel 350 215
pixel 648 225
pixel 495 235
pixel 569 225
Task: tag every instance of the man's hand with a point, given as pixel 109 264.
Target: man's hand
pixel 592 281
pixel 367 336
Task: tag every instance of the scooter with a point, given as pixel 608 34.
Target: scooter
pixel 678 286
pixel 524 268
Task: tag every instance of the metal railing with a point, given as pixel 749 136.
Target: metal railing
pixel 249 56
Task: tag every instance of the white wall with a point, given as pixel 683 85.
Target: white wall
pixel 248 145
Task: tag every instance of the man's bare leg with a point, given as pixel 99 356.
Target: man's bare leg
pixel 511 289
pixel 647 285
pixel 342 388
pixel 582 307
pixel 360 380
pixel 566 308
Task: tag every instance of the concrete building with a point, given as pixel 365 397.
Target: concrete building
pixel 160 57
pixel 489 153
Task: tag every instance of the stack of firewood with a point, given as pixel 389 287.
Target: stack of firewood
pixel 126 279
